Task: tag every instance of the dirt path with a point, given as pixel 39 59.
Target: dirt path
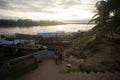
pixel 47 70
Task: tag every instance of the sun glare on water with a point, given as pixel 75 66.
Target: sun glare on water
pixel 60 28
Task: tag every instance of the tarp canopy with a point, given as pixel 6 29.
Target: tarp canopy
pixel 4 42
pixel 47 35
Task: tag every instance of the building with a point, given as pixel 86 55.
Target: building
pixel 47 34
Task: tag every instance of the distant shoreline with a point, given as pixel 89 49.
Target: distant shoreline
pixel 9 26
pixel 27 23
pixel 78 23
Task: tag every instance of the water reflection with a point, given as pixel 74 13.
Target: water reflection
pixel 38 29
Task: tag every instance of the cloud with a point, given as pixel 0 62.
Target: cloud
pixel 25 5
pixel 3 4
pixel 43 6
pixel 81 4
pixel 67 3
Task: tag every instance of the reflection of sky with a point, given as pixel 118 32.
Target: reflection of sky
pixel 37 29
pixel 47 9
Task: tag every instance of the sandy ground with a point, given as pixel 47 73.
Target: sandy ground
pixel 48 70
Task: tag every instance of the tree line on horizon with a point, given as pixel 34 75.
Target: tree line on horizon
pixel 27 22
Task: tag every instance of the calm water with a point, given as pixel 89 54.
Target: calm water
pixel 38 29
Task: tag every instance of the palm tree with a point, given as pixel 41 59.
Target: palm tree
pixel 102 13
pixel 114 6
pixel 105 9
pixel 114 20
pixel 108 15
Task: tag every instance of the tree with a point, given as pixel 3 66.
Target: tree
pixel 102 14
pixel 114 6
pixel 114 20
pixel 108 15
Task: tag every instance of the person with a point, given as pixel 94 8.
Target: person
pixel 56 57
pixel 60 56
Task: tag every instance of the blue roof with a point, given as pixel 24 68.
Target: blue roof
pixel 47 35
pixel 4 42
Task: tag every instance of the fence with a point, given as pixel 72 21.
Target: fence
pixel 19 66
pixel 43 54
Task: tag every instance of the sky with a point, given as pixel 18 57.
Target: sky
pixel 47 9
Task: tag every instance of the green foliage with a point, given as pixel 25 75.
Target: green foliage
pixel 116 41
pixel 88 69
pixel 111 66
pixel 73 70
pixel 102 13
pixel 103 17
pixel 106 44
pixel 93 46
pixel 85 37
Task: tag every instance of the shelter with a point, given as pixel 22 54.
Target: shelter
pixel 25 36
pixel 8 43
pixel 47 35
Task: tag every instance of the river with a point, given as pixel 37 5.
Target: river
pixel 53 28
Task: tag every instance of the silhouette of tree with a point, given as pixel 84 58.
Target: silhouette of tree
pixel 114 6
pixel 108 15
pixel 27 22
pixel 102 13
pixel 114 20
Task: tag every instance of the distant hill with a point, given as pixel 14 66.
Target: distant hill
pixel 27 22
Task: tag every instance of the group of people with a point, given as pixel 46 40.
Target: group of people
pixel 58 56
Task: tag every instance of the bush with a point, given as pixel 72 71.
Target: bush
pixel 93 46
pixel 73 70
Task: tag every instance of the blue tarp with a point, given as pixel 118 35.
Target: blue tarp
pixel 4 42
pixel 46 35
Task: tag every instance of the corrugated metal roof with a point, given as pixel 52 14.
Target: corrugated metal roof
pixel 46 35
pixel 4 42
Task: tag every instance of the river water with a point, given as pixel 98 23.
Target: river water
pixel 39 29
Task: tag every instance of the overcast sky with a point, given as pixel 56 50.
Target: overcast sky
pixel 47 9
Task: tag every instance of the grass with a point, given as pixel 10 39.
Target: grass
pixel 73 70
pixel 102 54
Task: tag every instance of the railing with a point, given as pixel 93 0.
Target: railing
pixel 19 66
pixel 43 54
